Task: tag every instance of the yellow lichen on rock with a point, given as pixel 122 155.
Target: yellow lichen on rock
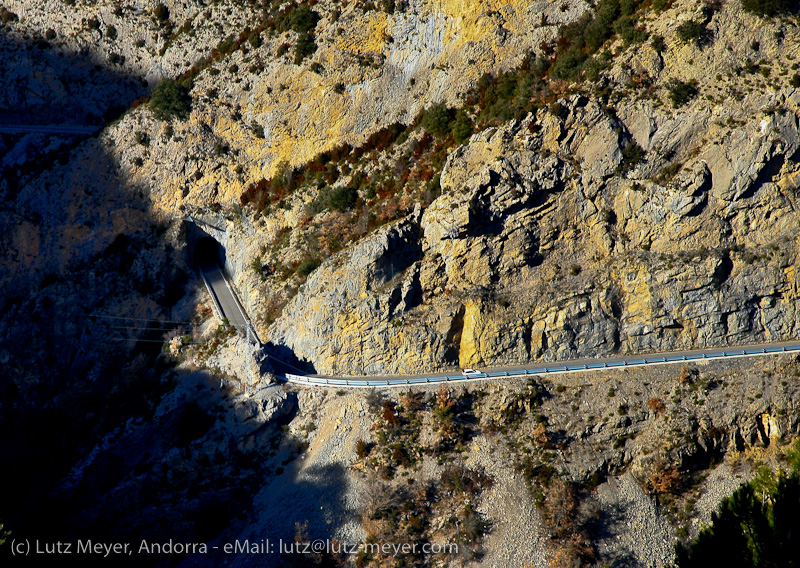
pixel 474 21
pixel 469 354
pixel 368 37
pixel 636 295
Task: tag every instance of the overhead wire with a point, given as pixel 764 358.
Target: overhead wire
pixel 147 340
pixel 134 319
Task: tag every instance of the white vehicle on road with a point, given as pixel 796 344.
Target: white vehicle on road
pixel 471 373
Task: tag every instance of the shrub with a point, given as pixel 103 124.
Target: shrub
pixel 305 46
pixel 769 7
pixel 307 266
pixel 436 120
pixel 688 375
pixel 461 127
pixel 161 13
pixel 568 65
pixel 632 154
pixel 656 405
pixel 111 32
pixel 257 266
pixel 50 34
pixel 680 93
pixel 461 479
pixel 626 28
pixel 560 507
pixel 9 17
pixel 254 40
pixel 390 414
pixel 658 44
pixel 170 99
pixel 751 528
pixel 663 480
pixel 362 449
pixel 257 130
pixel 303 19
pixel 691 32
pixel 338 199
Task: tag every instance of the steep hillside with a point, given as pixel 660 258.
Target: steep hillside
pixel 399 186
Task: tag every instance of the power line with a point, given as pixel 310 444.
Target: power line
pixel 147 340
pixel 285 363
pixel 135 319
pixel 144 328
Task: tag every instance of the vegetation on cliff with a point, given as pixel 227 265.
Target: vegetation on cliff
pixel 756 527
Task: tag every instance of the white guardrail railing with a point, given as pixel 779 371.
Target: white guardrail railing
pixel 566 367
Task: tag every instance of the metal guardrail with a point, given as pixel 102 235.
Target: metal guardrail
pixel 633 361
pixel 250 332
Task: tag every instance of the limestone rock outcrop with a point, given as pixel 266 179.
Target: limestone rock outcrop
pixel 531 254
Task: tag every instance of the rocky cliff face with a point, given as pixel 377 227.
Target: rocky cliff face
pixel 540 249
pixel 652 207
pixel 606 222
pixel 256 108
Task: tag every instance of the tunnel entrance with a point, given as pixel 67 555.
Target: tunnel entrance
pixel 208 251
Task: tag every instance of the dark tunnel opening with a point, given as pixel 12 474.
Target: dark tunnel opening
pixel 207 251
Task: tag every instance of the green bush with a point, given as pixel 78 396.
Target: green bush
pixel 307 266
pixel 632 154
pixel 691 32
pixel 305 46
pixel 254 40
pixel 658 43
pixel 680 93
pixel 336 198
pixel 769 7
pixel 461 127
pixel 436 120
pixel 625 27
pixel 303 19
pixel 169 100
pixel 111 32
pixel 750 530
pixel 568 65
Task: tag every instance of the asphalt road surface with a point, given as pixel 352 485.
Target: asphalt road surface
pixel 554 367
pixel 232 310
pixel 219 286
